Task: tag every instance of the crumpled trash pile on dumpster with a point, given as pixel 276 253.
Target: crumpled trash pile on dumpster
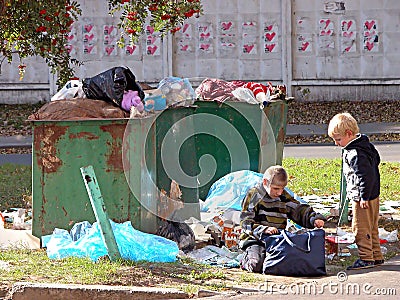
pixel 115 93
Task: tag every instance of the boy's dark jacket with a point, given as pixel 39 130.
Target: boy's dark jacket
pixel 360 168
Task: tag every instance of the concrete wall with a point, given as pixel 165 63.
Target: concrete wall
pixel 322 50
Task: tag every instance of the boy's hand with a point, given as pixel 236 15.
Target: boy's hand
pixel 364 204
pixel 271 230
pixel 319 223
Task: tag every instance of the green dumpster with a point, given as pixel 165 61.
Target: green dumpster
pixel 238 136
pixel 135 160
pixel 60 149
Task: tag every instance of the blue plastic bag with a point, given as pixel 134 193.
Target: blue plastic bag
pixel 230 190
pixel 132 244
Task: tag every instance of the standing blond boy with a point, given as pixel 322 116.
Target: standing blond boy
pixel 360 169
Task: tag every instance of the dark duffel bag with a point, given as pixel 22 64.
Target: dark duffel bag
pixel 291 254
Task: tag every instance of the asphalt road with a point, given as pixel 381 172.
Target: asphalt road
pixel 389 152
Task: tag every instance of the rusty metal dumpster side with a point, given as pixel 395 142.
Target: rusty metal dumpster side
pixel 60 149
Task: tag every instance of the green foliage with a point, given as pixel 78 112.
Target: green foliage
pixel 321 177
pixel 39 28
pixel 313 176
pixel 201 275
pixel 15 185
pixel 165 16
pixel 69 270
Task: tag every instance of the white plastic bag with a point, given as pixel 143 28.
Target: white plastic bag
pixel 72 89
pixel 391 237
pixel 245 94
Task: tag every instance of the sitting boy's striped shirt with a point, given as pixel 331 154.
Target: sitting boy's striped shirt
pixel 259 211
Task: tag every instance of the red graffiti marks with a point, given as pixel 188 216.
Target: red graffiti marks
pixel 83 135
pixel 45 142
pixel 114 153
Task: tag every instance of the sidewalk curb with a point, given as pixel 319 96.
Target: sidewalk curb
pixel 322 129
pixel 43 291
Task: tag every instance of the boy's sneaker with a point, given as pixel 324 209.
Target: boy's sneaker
pixel 361 264
pixel 378 262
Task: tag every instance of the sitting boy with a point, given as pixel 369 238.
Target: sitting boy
pixel 265 210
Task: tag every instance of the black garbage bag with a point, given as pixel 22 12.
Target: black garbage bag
pixel 111 84
pixel 179 232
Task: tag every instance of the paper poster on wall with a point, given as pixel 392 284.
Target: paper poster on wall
pixel 110 40
pixel 227 27
pixel 72 36
pixel 185 40
pixel 304 24
pixel 326 40
pixel 334 7
pixel 153 42
pixel 249 38
pixel 370 36
pixel 326 27
pixel 270 37
pixel 89 35
pixel 110 50
pixel 227 37
pixel 131 50
pixel 72 39
pixel 348 36
pixel 90 49
pixel 205 37
pixel 71 49
pixel 304 43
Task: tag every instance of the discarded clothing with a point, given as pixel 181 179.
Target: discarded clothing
pixel 212 89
